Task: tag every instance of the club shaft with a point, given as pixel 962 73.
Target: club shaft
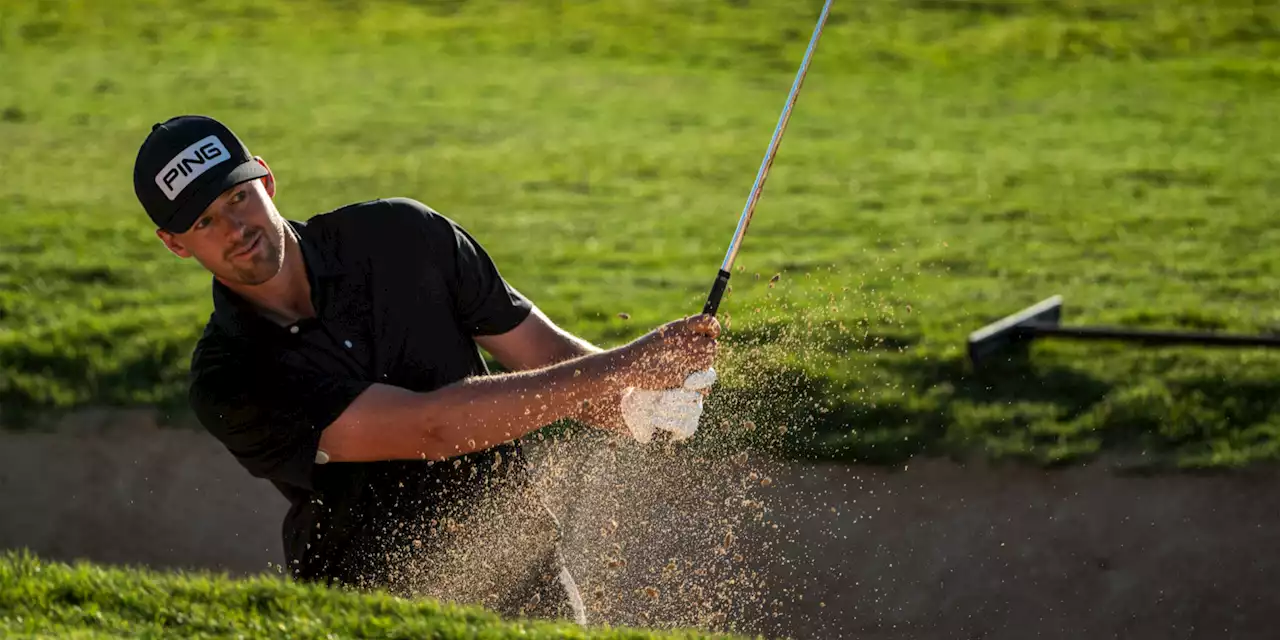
pixel 748 210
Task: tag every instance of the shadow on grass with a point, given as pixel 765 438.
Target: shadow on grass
pixel 1017 379
pixel 849 423
pixel 789 413
pixel 1046 410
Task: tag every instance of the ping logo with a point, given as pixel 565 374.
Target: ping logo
pixel 189 164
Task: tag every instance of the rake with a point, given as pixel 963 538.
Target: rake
pixel 1043 320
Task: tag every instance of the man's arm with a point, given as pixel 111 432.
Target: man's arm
pixel 389 423
pixel 535 342
pixel 473 414
pixel 538 342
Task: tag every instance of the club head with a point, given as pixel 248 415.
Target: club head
pixel 1011 331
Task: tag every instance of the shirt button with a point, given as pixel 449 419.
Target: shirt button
pixel 347 343
pixel 293 329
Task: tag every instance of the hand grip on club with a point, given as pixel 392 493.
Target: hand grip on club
pixel 717 292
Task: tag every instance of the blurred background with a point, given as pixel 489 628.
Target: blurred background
pixel 948 163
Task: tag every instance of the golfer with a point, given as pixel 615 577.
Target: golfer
pixel 342 363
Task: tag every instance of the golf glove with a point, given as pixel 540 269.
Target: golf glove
pixel 675 411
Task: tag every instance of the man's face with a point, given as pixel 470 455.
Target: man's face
pixel 239 238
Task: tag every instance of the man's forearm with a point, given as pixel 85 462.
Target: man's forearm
pixel 392 423
pixel 478 412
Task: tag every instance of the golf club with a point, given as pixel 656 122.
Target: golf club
pixel 722 279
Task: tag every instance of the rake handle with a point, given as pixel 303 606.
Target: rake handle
pixel 1150 337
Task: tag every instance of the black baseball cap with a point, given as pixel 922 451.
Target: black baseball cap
pixel 185 163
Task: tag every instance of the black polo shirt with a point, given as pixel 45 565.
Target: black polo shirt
pixel 399 291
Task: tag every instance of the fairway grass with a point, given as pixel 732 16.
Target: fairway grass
pixel 947 164
pixel 45 599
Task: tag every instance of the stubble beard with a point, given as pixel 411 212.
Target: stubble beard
pixel 265 264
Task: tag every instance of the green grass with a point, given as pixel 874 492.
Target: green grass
pixel 949 163
pixel 43 599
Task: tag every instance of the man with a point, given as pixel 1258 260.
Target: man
pixel 341 362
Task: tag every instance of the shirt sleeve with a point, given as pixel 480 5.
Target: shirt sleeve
pixel 270 420
pixel 484 301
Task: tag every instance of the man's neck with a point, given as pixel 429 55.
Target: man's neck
pixel 286 298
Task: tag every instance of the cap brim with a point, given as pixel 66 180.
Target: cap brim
pixel 200 200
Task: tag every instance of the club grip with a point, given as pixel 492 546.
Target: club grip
pixel 717 292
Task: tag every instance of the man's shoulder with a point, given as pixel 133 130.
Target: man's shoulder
pixel 378 215
pixel 382 229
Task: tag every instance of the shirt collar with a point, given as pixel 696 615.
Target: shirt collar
pixel 239 318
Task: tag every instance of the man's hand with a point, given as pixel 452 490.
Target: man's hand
pixel 641 413
pixel 666 356
pixel 672 411
pixel 661 359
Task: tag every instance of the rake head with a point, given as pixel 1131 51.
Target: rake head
pixel 1013 332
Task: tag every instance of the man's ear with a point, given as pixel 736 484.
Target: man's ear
pixel 172 243
pixel 269 180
